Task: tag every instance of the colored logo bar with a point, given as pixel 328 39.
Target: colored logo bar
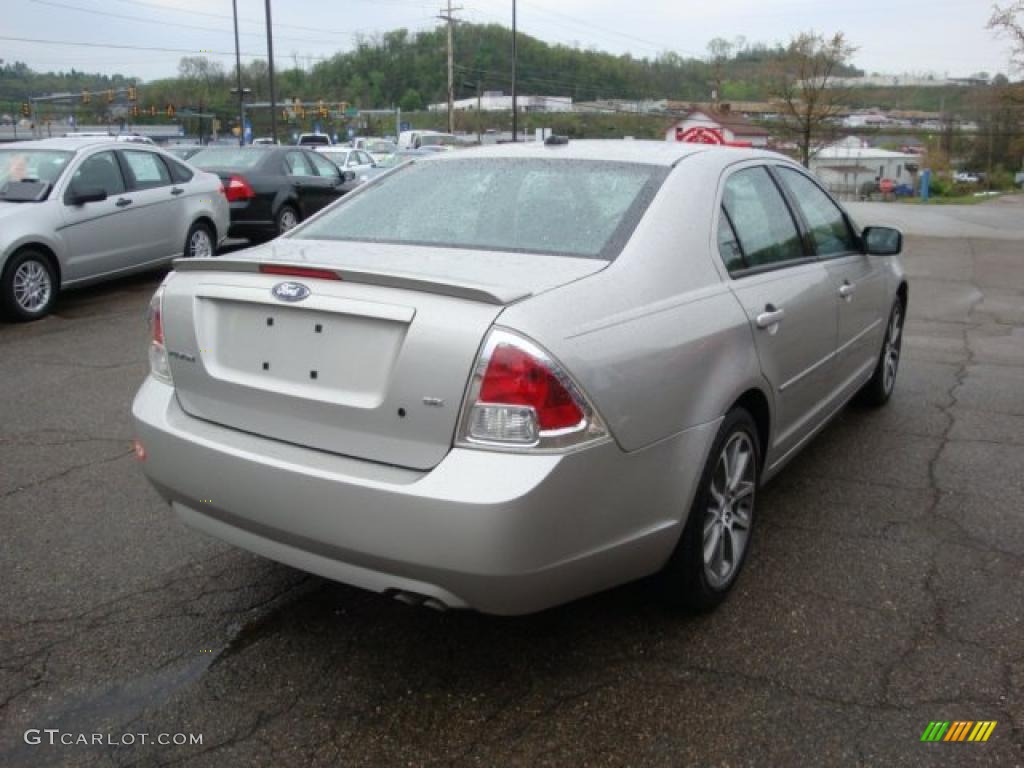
pixel 959 730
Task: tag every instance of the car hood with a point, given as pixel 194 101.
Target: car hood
pixel 511 276
pixel 9 210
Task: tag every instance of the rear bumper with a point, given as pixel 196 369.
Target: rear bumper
pixel 252 228
pixel 501 533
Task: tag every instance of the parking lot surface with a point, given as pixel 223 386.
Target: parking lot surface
pixel 884 590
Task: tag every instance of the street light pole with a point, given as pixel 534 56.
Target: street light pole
pixel 515 105
pixel 270 62
pixel 238 75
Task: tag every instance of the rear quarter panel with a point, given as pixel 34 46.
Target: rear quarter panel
pixel 656 340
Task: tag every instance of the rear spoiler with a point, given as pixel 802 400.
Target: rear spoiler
pixel 439 285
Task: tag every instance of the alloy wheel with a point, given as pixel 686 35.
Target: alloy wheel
pixel 288 220
pixel 32 286
pixel 199 245
pixel 893 339
pixel 730 510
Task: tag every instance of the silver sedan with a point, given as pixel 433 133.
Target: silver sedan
pixel 509 378
pixel 75 211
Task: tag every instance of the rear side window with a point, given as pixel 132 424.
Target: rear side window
pixel 762 222
pixel 728 245
pixel 179 172
pixel 147 168
pixel 828 226
pixel 101 171
pixel 237 158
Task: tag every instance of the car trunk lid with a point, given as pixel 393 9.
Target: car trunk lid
pixel 372 365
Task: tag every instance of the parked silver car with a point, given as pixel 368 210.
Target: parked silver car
pixel 74 211
pixel 508 378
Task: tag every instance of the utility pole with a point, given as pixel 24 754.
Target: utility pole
pixel 479 136
pixel 515 105
pixel 450 18
pixel 238 77
pixel 270 63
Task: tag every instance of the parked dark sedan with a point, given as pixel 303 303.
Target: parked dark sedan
pixel 271 189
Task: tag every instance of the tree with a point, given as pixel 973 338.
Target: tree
pixel 411 100
pixel 803 84
pixel 1009 21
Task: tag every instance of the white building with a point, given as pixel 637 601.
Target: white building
pixel 710 126
pixel 844 166
pixel 497 101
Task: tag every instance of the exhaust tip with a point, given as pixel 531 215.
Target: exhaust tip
pixel 416 599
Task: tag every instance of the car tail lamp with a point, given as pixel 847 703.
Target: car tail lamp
pixel 237 189
pixel 520 398
pixel 159 366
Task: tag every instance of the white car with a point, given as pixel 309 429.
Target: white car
pixel 355 160
pixel 76 211
pixel 314 140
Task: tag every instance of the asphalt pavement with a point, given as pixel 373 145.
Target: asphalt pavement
pixel 884 590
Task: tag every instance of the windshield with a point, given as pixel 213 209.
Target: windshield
pixel 32 165
pixel 379 146
pixel 227 157
pixel 561 207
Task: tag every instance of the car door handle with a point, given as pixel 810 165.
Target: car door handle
pixel 771 316
pixel 177 191
pixel 847 289
pixel 122 202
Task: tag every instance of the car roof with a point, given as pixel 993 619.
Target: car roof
pixel 664 153
pixel 70 144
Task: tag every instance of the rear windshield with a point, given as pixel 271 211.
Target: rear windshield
pixel 228 157
pixel 314 140
pixel 551 206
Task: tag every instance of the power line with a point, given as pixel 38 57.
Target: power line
pixel 158 22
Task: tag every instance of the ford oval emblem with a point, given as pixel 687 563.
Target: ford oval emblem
pixel 290 291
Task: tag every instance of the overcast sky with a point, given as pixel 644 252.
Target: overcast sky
pixel 893 36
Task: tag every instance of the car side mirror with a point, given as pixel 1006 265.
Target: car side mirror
pixel 87 195
pixel 882 241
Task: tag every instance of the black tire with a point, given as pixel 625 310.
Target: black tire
pixel 688 581
pixel 35 266
pixel 879 388
pixel 281 220
pixel 194 248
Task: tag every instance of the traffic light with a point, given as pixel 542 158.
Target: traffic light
pixel 284 115
pixel 26 109
pixel 133 93
pixel 152 111
pixel 135 110
pixel 170 110
pixel 86 97
pixel 342 106
pixel 110 95
pixel 321 109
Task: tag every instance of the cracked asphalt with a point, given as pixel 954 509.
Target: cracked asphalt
pixel 885 588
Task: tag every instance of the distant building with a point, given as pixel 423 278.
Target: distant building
pixel 717 126
pixel 845 166
pixel 497 101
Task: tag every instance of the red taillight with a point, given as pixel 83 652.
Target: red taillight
pixel 238 188
pixel 514 377
pixel 521 399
